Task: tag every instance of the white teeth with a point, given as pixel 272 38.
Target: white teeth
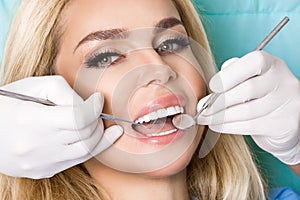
pixel 147 118
pixel 171 110
pixel 164 112
pixel 161 134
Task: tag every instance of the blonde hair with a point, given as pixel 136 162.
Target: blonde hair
pixel 227 172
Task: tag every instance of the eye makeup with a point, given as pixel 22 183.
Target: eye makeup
pixel 104 58
pixel 111 53
pixel 173 44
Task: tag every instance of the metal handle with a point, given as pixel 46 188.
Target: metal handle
pixel 26 98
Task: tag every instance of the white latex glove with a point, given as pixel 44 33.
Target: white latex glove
pixel 38 141
pixel 259 97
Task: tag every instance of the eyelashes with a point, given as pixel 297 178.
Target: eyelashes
pixel 104 59
pixel 109 57
pixel 173 45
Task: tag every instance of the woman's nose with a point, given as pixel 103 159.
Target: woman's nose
pixel 154 69
pixel 155 73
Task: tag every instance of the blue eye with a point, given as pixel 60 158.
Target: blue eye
pixel 104 59
pixel 172 45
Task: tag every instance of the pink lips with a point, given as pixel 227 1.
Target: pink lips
pixel 163 140
pixel 163 102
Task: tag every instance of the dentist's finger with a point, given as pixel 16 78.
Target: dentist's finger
pixel 259 126
pixel 67 137
pixel 241 112
pixel 252 64
pixel 89 111
pixel 229 62
pixel 254 88
pixel 81 148
pixel 74 117
pixel 93 145
pixel 110 135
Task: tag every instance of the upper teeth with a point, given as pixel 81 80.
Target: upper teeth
pixel 164 112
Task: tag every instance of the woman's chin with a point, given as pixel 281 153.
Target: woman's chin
pixel 173 168
pixel 158 164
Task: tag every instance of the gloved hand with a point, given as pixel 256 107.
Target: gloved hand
pixel 38 141
pixel 259 97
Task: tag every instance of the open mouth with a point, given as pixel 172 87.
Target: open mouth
pixel 158 123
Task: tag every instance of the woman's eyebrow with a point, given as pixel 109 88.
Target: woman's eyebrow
pixel 121 33
pixel 167 23
pixel 117 33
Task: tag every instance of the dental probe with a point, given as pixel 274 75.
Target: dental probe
pixel 185 121
pixel 26 98
pixel 270 36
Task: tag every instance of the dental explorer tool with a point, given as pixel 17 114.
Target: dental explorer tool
pixel 270 36
pixel 185 121
pixel 26 98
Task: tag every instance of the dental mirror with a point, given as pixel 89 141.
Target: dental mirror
pixel 185 121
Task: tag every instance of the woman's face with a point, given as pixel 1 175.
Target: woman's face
pixel 137 54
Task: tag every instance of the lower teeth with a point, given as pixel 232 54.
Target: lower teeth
pixel 161 134
pixel 155 127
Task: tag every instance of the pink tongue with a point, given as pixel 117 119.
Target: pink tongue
pixel 155 127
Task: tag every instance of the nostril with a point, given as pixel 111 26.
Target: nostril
pixel 156 74
pixel 165 74
pixel 171 74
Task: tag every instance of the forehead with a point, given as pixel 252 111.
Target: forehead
pixel 92 15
